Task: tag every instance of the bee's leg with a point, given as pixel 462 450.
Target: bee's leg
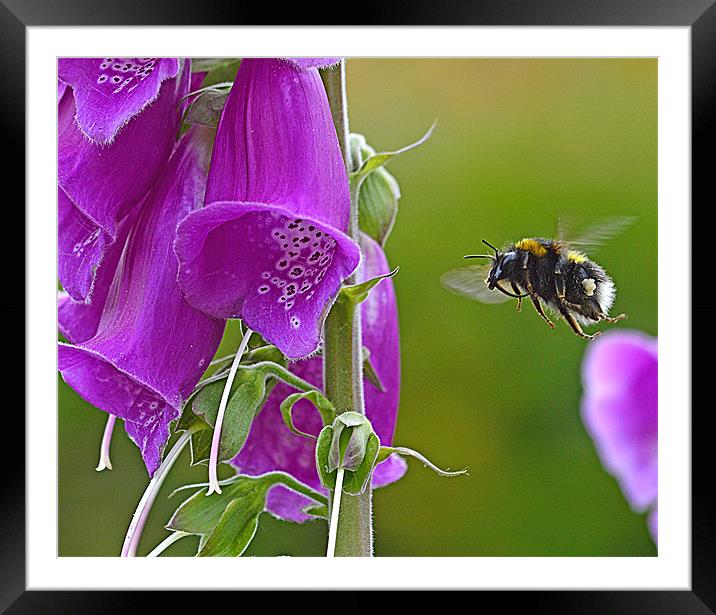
pixel 565 307
pixel 611 319
pixel 561 288
pixel 572 322
pixel 536 302
pixel 519 296
pixel 540 311
pixel 560 285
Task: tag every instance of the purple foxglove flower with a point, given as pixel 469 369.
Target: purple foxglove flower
pixel 270 247
pixel 271 446
pixel 151 347
pixel 117 124
pixel 620 410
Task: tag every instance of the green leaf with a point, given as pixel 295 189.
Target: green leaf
pixel 376 161
pixel 199 514
pixel 321 403
pixel 248 393
pixel 206 108
pixel 323 449
pixel 235 530
pixel 378 194
pixel 378 198
pixel 227 522
pixel 355 482
pixel 200 446
pixel 360 149
pixel 357 293
pixel 189 420
pixel 249 390
pixel 223 72
pixel 317 510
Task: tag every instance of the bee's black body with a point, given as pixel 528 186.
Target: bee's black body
pixel 548 271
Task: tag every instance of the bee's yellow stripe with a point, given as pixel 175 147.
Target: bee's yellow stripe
pixel 532 245
pixel 576 257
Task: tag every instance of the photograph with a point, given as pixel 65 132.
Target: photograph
pixel 357 306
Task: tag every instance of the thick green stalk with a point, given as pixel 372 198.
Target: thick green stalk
pixel 342 349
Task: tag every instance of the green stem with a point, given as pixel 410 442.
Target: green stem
pixel 281 373
pixel 342 349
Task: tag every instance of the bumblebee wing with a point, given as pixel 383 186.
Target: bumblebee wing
pixel 469 281
pixel 593 236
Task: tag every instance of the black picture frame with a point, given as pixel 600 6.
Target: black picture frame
pixel 699 15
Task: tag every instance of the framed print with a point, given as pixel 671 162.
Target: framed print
pixel 424 302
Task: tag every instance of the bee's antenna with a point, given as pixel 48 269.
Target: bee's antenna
pixel 489 245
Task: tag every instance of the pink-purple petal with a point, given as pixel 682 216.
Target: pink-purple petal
pixel 620 410
pixel 152 347
pixel 389 471
pixel 271 446
pixel 109 92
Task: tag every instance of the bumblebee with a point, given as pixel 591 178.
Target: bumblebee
pixel 555 272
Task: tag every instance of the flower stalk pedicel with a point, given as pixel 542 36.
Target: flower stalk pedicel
pixel 139 519
pixel 105 463
pixel 216 437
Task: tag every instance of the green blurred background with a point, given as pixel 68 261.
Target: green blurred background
pixel 517 142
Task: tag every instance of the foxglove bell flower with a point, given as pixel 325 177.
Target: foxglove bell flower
pixel 270 247
pixel 620 410
pixel 271 446
pixel 117 123
pixel 151 347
